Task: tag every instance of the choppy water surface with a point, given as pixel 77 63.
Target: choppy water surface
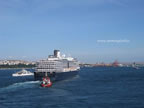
pixel 100 87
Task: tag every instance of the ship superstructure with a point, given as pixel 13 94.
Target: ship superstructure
pixel 56 65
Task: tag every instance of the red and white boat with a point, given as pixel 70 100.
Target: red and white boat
pixel 46 82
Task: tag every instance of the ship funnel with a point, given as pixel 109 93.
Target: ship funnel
pixel 57 53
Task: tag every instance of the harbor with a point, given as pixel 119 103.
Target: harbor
pixel 95 86
pixel 49 70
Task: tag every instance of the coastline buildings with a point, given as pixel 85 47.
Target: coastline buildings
pixel 15 62
pixel 98 64
pixel 114 64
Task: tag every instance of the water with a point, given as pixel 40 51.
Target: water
pixel 100 87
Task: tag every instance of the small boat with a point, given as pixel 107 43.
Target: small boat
pixel 46 82
pixel 23 72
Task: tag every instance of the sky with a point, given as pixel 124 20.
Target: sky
pixel 88 30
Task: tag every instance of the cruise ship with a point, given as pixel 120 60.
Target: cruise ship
pixel 56 67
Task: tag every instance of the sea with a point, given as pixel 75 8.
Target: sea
pixel 93 87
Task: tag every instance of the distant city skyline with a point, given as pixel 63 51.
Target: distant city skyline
pixel 32 29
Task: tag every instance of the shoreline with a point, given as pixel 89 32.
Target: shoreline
pixel 14 68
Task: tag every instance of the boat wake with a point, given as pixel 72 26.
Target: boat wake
pixel 19 86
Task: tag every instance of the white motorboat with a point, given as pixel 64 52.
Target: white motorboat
pixel 23 72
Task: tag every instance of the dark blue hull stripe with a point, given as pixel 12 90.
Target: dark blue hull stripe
pixel 56 76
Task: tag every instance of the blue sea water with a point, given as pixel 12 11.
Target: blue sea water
pixel 99 87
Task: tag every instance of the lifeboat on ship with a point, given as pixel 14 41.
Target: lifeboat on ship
pixel 46 82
